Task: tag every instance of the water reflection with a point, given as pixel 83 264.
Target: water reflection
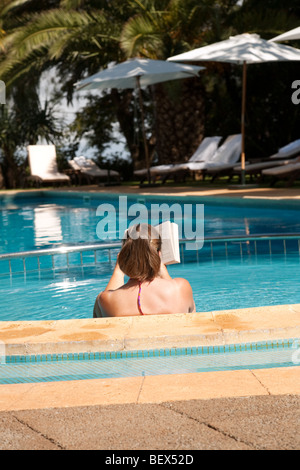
pixel 47 226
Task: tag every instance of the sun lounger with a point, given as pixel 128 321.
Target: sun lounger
pixel 290 172
pixel 43 165
pixel 221 162
pixel 206 149
pixel 256 169
pixel 204 152
pixel 290 150
pixel 90 170
pixel 224 160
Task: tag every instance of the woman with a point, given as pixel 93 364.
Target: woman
pixel 150 289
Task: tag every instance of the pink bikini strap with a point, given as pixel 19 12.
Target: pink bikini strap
pixel 139 299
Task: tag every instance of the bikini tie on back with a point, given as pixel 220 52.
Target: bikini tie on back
pixel 139 299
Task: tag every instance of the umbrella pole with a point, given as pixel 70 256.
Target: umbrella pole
pixel 143 129
pixel 243 155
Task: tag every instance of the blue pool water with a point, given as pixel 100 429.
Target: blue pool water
pixel 217 285
pixel 87 366
pixel 240 277
pixel 32 223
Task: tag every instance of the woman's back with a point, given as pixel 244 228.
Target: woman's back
pixel 160 296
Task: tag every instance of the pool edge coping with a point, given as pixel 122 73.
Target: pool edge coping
pixel 150 389
pixel 151 332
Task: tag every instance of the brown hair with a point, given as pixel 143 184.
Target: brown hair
pixel 139 257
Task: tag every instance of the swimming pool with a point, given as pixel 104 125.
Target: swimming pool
pixel 224 274
pixel 87 366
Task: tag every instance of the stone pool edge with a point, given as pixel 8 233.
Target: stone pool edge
pixel 151 332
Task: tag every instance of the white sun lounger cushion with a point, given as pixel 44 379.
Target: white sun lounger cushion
pixel 225 156
pixel 204 152
pixel 288 150
pixel 206 149
pixel 43 164
pixel 290 147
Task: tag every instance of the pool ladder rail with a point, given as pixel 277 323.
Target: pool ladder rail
pixel 94 247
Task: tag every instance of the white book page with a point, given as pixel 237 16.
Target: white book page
pixel 170 242
pixel 169 233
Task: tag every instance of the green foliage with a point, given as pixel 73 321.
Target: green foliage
pixel 118 163
pixel 22 122
pixel 162 29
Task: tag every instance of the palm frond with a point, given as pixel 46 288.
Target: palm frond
pixel 49 35
pixel 139 36
pixel 8 5
pixel 72 4
pixel 148 10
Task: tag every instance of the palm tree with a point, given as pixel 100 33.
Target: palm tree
pixel 76 36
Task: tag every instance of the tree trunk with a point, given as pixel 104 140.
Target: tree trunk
pixel 125 114
pixel 10 169
pixel 1 179
pixel 179 120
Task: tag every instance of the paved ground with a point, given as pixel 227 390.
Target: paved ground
pixel 197 190
pixel 248 423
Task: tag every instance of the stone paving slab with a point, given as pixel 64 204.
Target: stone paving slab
pixel 17 435
pixel 248 423
pixel 69 393
pixel 126 427
pixel 150 389
pixel 266 422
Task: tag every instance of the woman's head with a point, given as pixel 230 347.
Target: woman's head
pixel 139 257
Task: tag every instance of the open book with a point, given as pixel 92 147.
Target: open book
pixel 169 233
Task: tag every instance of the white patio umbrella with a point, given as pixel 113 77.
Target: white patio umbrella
pixel 289 35
pixel 242 49
pixel 135 74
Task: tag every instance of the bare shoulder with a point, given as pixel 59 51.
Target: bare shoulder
pixel 185 291
pixel 99 304
pixel 105 296
pixel 106 301
pixel 182 284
